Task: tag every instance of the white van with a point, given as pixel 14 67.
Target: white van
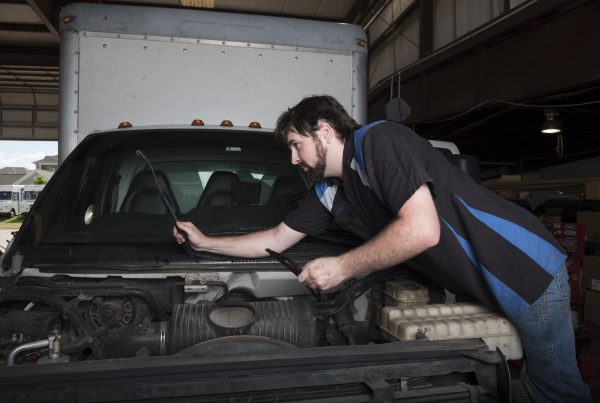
pixel 10 198
pixel 29 194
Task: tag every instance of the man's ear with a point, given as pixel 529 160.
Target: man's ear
pixel 326 131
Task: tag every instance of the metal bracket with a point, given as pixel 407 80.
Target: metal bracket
pixel 383 392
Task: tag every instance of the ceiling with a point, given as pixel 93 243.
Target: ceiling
pixel 449 91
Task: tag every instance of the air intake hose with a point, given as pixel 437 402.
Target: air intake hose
pixel 290 321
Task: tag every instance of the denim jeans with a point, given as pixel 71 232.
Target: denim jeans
pixel 550 373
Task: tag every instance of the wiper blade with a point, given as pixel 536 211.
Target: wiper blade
pixel 170 209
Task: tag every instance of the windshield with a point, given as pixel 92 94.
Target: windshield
pixel 5 195
pixel 29 195
pixel 222 181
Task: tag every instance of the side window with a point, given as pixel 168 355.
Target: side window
pixel 15 197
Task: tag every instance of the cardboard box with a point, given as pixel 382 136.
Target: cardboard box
pixel 590 365
pixel 575 272
pixel 594 346
pixel 591 272
pixel 570 236
pixel 591 308
pixel 591 222
pixel 592 190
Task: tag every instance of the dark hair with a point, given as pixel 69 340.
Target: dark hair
pixel 304 118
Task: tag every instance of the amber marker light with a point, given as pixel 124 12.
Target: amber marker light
pixel 226 123
pixel 125 125
pixel 254 125
pixel 197 122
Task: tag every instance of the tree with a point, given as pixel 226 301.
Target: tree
pixel 39 180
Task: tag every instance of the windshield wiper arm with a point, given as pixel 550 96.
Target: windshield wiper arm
pixel 293 267
pixel 170 209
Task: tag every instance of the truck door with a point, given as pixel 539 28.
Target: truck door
pixel 16 202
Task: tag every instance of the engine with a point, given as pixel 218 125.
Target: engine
pixel 70 319
pixel 114 318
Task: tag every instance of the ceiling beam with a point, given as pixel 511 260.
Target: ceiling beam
pixel 425 28
pixel 12 27
pixel 29 56
pixel 44 10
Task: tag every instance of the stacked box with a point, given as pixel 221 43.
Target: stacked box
pixel 591 224
pixel 590 365
pixel 591 309
pixel 570 236
pixel 575 271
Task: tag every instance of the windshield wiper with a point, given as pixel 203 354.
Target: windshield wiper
pixel 170 209
pixel 293 267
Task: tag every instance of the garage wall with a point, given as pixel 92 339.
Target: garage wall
pixel 28 115
pixel 451 20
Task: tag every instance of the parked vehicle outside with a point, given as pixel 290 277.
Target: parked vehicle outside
pixel 10 200
pixel 29 194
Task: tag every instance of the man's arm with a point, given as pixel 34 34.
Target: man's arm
pixel 415 229
pixel 278 238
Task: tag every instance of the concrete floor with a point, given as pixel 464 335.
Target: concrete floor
pixel 5 236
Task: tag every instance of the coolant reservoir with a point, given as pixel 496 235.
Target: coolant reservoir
pixel 451 321
pixel 405 293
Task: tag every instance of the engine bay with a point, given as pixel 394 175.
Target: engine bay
pixel 65 318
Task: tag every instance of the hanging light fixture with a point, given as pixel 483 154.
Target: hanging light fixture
pixel 552 123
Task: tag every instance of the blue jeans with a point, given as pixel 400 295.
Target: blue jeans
pixel 551 373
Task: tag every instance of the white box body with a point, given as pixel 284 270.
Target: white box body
pixel 159 66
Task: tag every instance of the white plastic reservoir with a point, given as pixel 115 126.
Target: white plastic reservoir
pixel 451 321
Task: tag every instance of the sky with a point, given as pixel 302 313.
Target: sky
pixel 23 153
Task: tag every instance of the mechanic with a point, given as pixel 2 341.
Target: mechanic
pixel 409 203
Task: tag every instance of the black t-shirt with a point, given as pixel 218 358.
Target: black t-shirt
pixel 489 248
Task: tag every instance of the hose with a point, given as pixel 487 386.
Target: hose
pixel 27 346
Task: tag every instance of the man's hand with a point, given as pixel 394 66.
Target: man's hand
pixel 324 273
pixel 195 237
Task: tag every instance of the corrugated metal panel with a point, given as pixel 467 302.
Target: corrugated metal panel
pixel 398 52
pixel 456 18
pixel 387 18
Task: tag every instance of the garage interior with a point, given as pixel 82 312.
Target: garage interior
pixel 487 75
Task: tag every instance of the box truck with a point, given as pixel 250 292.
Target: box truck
pixel 29 194
pixel 10 200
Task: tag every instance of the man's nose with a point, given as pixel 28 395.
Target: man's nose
pixel 295 158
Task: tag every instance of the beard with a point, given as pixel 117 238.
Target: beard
pixel 317 173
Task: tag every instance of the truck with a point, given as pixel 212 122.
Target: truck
pixel 10 200
pixel 29 194
pixel 18 199
pixel 168 114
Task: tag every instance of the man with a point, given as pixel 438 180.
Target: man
pixel 390 187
